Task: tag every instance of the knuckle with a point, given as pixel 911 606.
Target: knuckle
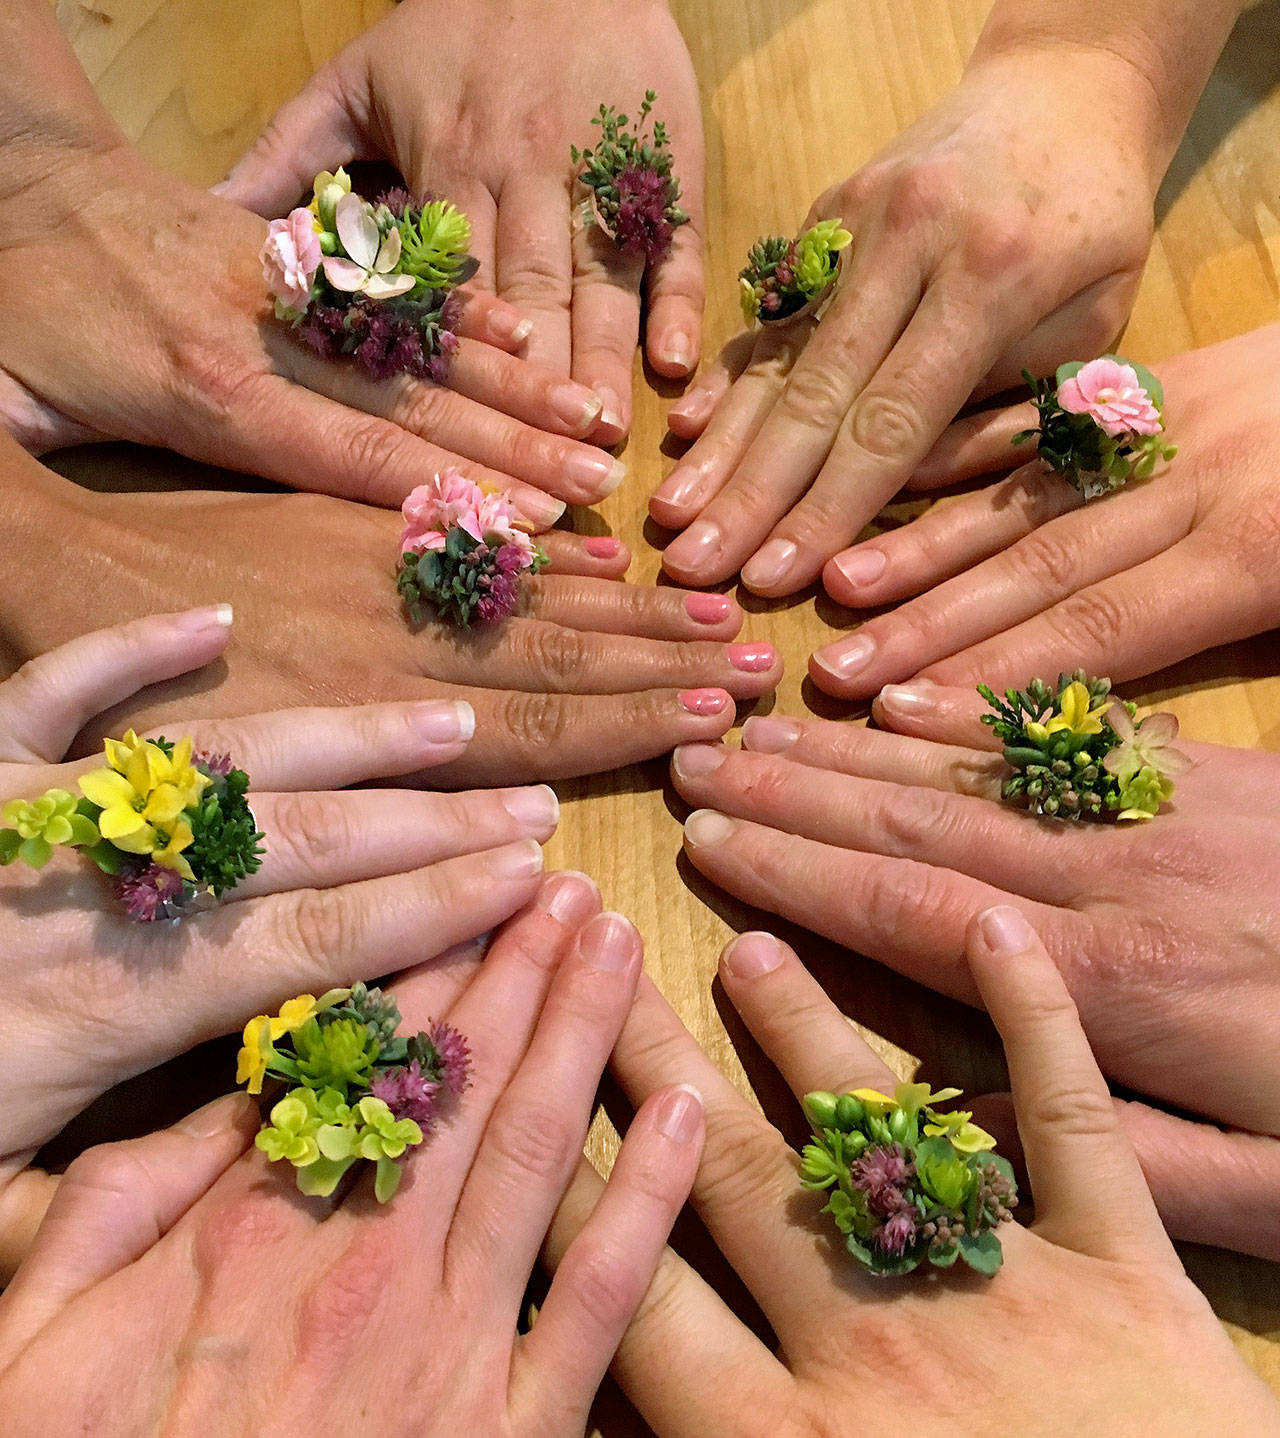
pixel 316 925
pixel 423 408
pixel 334 1311
pixel 214 379
pixel 977 774
pixel 903 897
pixel 920 192
pixel 238 1228
pixel 998 244
pixel 605 1282
pixel 313 826
pixel 534 1139
pixel 556 653
pixel 741 1162
pixel 816 395
pixel 823 515
pixel 1093 618
pixel 912 819
pixel 1070 1111
pixel 530 452
pixel 537 722
pixel 110 1170
pixel 887 426
pixel 1044 562
pixel 368 450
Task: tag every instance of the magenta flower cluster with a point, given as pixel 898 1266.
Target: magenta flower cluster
pixel 882 1173
pixel 440 1068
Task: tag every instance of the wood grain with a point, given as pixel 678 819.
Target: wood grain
pixel 192 80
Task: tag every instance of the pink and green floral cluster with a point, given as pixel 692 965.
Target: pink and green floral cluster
pixel 359 1091
pixel 1100 423
pixel 463 552
pixel 907 1182
pixel 781 276
pixel 633 194
pixel 1076 752
pixel 373 281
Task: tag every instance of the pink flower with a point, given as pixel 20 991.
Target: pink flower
pixel 408 1093
pixel 896 1233
pixel 1147 745
pixel 371 257
pixel 450 500
pixel 291 257
pixel 1112 396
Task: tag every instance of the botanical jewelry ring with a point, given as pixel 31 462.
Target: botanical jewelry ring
pixel 783 278
pixel 172 828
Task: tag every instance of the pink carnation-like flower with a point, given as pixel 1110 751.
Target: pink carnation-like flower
pixel 897 1233
pixel 450 500
pixel 408 1093
pixel 290 258
pixel 455 1055
pixel 1113 396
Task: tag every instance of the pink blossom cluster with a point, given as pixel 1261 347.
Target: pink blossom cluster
pixel 290 258
pixel 449 500
pixel 1113 396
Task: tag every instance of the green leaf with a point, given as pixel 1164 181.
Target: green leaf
pixel 10 843
pixel 1068 371
pixel 982 1252
pixel 1148 381
pixel 387 1180
pixel 319 1179
pixel 944 1257
pixel 35 851
pixel 1002 1166
pixel 84 832
pixel 107 857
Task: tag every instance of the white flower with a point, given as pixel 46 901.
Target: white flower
pixel 370 255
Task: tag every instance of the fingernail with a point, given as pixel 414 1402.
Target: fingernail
pixel 517 861
pixel 610 407
pixel 603 546
pixel 770 566
pixel 539 510
pixel 680 487
pixel 696 761
pixel 769 735
pixel 677 351
pixel 444 721
pixel 751 955
pixel 575 406
pixel 196 621
pixel 1005 930
pixel 536 807
pixel 691 406
pixel 680 1114
pixel 214 1118
pixel 569 897
pixel 847 658
pixel 861 566
pixel 909 700
pixel 697 547
pixel 705 827
pixel 609 943
pixel 505 324
pixel 705 701
pixel 599 474
pixel 752 658
pixel 708 608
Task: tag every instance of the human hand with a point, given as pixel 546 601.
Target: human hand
pixel 505 91
pixel 886 843
pixel 591 674
pixel 1020 571
pixel 1092 1288
pixel 979 248
pixel 245 1302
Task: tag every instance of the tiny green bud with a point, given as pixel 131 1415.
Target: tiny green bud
pixel 821 1108
pixel 849 1112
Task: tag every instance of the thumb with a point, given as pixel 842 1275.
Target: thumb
pixel 321 128
pixel 114 1203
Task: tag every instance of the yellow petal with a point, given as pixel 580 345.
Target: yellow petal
pixel 164 806
pixel 126 829
pixel 106 789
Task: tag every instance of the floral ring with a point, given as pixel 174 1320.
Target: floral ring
pixel 789 279
pixel 1100 423
pixel 172 828
pixel 908 1183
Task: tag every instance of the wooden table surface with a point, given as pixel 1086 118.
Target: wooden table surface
pixel 784 119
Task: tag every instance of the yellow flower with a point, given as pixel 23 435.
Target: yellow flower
pixel 144 790
pixel 295 1012
pixel 169 856
pixel 965 1136
pixel 1075 716
pixel 251 1064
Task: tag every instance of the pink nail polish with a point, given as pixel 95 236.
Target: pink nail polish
pixel 603 546
pixel 752 658
pixel 705 702
pixel 708 608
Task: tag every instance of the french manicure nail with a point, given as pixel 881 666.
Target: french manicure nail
pixel 517 861
pixel 569 897
pixel 753 954
pixel 847 658
pixel 1005 930
pixel 197 621
pixel 603 546
pixel 599 474
pixel 752 658
pixel 610 407
pixel 770 566
pixel 708 608
pixel 505 324
pixel 536 807
pixel 444 721
pixel 767 734
pixel 539 510
pixel 677 352
pixel 681 487
pixel 214 1118
pixel 690 406
pixel 862 566
pixel 608 943
pixel 575 406
pixel 705 702
pixel 680 1114
pixel 909 700
pixel 705 827
pixel 696 761
pixel 698 546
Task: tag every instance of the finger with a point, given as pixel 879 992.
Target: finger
pixel 605 322
pixel 992 842
pixel 598 556
pixel 603 1277
pixel 876 754
pixel 531 392
pixel 312 132
pixel 974 445
pixel 902 913
pixel 115 1203
pixel 676 290
pixel 319 841
pixel 599 606
pixel 535 1133
pixel 46 703
pixel 476 202
pixel 1126 626
pixel 1089 1191
pixel 943 715
pixel 528 738
pixel 535 262
pixel 688 417
pixel 485 317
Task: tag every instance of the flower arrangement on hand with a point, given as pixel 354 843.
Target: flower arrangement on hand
pixel 463 553
pixel 1100 423
pixel 173 829
pixel 782 276
pixel 633 195
pixel 359 1090
pixel 1074 751
pixel 375 281
pixel 903 1190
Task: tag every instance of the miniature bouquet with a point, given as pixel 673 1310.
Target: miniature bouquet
pixel 1100 423
pixel 463 553
pixel 375 281
pixel 908 1183
pixel 633 194
pixel 359 1090
pixel 783 277
pixel 173 829
pixel 1076 752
